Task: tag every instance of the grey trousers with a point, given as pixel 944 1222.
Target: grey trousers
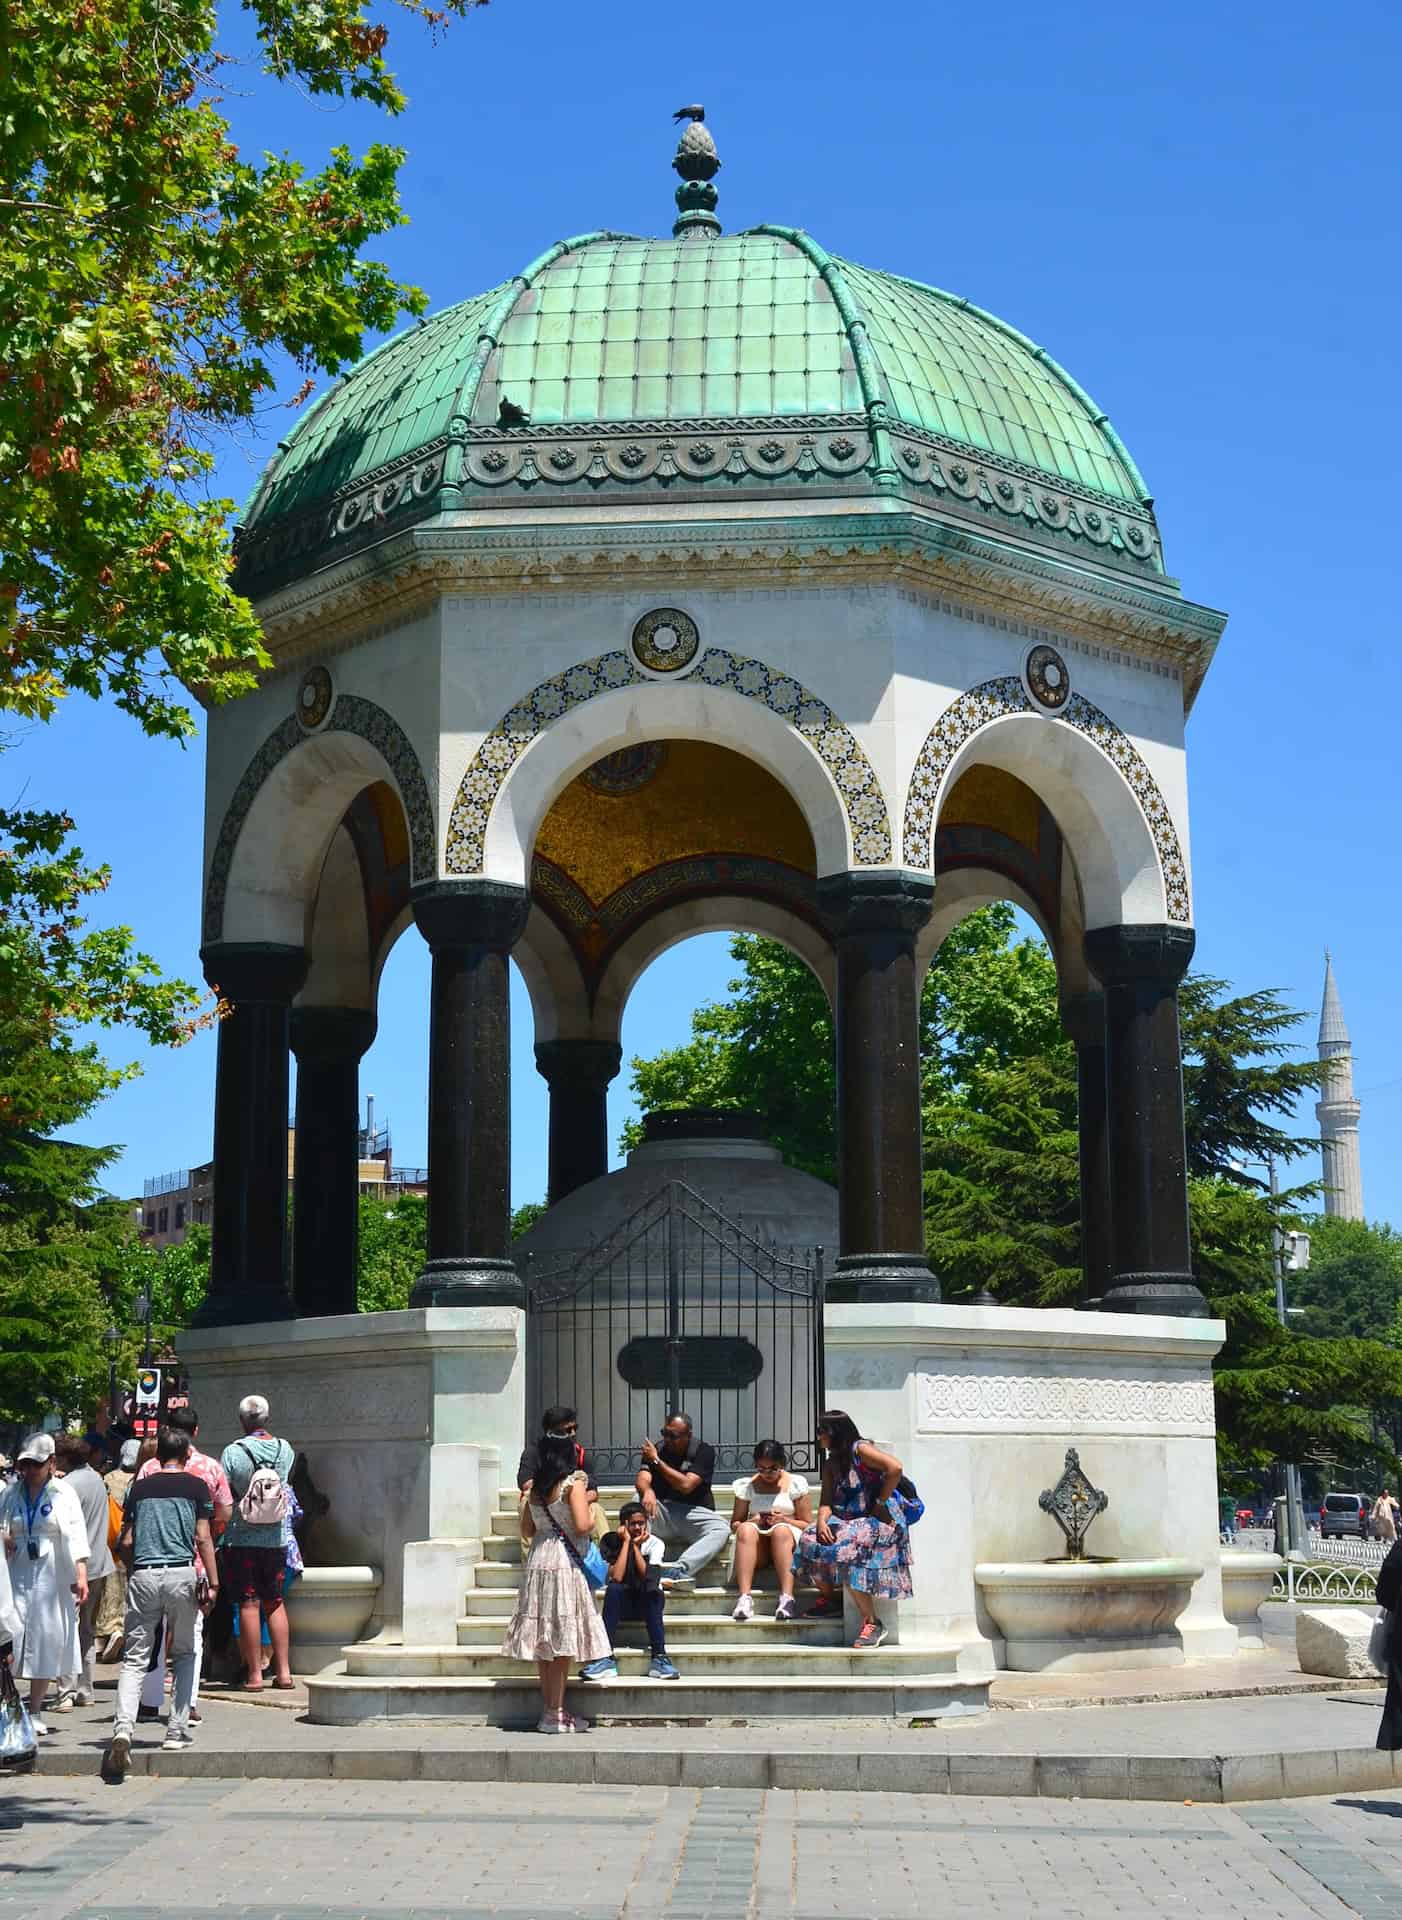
pixel 155 1594
pixel 82 1680
pixel 704 1531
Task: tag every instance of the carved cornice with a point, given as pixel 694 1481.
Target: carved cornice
pixel 410 572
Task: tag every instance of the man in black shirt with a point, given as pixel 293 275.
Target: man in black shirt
pixel 562 1423
pixel 674 1485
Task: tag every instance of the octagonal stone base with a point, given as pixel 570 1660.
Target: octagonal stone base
pixel 1083 1617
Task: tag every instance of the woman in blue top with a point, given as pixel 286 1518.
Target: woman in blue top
pixel 253 1552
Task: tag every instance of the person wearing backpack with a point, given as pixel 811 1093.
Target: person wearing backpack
pixel 255 1557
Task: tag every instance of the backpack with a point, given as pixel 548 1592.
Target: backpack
pixel 264 1500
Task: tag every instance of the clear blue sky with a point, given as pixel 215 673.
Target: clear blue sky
pixel 1194 209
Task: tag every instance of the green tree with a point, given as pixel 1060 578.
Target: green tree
pixel 1352 1287
pixel 393 1248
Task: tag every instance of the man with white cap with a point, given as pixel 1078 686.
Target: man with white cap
pixel 46 1545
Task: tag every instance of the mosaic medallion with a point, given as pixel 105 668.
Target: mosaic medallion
pixel 627 770
pixel 314 698
pixel 665 640
pixel 1048 681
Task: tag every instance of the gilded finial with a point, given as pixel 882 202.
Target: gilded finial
pixel 698 163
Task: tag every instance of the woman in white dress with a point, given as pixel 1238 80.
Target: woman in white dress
pixel 772 1507
pixel 556 1621
pixel 46 1545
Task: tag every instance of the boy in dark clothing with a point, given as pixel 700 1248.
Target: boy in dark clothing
pixel 633 1591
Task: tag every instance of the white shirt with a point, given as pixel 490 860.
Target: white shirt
pixel 780 1504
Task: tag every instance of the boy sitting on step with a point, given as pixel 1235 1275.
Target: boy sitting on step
pixel 633 1591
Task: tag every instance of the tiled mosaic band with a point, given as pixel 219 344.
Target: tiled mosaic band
pixel 856 781
pixel 991 701
pixel 350 714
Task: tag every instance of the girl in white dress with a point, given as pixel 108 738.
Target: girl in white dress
pixel 46 1545
pixel 556 1620
pixel 772 1507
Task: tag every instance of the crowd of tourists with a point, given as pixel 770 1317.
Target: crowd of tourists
pixel 129 1564
pixel 857 1541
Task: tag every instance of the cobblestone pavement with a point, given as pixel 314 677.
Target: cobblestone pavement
pixel 357 1850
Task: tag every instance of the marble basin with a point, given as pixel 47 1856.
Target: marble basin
pixel 1083 1616
pixel 328 1609
pixel 1246 1581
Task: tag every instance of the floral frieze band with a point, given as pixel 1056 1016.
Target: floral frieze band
pixel 867 818
pixel 991 701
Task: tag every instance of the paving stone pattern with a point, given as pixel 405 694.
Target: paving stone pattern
pixel 362 1850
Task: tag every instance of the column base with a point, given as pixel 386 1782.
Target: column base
pixel 244 1308
pixel 468 1283
pixel 1160 1293
pixel 873 1278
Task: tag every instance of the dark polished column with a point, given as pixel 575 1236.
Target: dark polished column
pixel 328 1043
pixel 1083 1017
pixel 1140 968
pixel 578 1073
pixel 471 927
pixel 874 918
pixel 248 1256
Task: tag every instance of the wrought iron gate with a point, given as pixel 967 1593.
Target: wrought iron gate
pixel 678 1309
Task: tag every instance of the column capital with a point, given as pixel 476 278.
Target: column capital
pixel 453 915
pixel 254 972
pixel 888 901
pixel 1126 956
pixel 584 1063
pixel 328 1036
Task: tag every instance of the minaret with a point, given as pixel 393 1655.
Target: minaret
pixel 1337 1110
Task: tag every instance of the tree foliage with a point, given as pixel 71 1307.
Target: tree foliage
pixel 150 275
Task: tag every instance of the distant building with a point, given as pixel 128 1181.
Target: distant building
pixel 171 1203
pixel 1338 1109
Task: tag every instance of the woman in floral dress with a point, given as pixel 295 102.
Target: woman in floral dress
pixel 860 1539
pixel 556 1620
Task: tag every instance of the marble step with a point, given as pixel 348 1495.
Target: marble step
pixel 748 1661
pixel 498 1598
pixel 683 1630
pixel 337 1698
pixel 613 1497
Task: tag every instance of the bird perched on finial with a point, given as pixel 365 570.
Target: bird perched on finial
pixel 696 156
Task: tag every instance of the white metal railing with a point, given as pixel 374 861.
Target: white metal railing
pixel 1349 1553
pixel 1296 1581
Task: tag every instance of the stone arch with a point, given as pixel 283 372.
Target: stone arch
pixel 774 718
pixel 1127 851
pixel 722 913
pixel 293 818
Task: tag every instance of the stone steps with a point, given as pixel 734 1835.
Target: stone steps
pixel 485 1628
pixel 494 1595
pixel 724 1661
pixel 341 1699
pixel 611 1498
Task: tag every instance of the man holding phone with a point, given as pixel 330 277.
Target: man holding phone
pixel 674 1485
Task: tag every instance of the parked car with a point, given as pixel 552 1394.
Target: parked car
pixel 1344 1514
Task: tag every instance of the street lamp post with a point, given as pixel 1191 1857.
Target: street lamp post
pixel 142 1308
pixel 112 1339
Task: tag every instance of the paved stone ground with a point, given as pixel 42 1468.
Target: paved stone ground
pixel 355 1850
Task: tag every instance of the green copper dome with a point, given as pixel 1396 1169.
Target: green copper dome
pixel 701 366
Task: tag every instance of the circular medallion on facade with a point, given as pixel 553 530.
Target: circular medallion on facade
pixel 666 640
pixel 1047 679
pixel 314 697
pixel 627 770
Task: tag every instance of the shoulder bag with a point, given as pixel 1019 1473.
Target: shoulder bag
pixel 591 1563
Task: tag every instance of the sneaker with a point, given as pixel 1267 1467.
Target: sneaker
pixel 175 1741
pixel 119 1753
pixel 39 1726
pixel 676 1576
pixel 554 1723
pixel 578 1724
pixel 605 1669
pixel 787 1608
pixel 195 1717
pixel 744 1608
pixel 662 1668
pixel 870 1637
pixel 82 1698
pixel 62 1702
pixel 825 1607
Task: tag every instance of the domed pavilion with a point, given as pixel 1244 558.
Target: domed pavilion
pixel 708 582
